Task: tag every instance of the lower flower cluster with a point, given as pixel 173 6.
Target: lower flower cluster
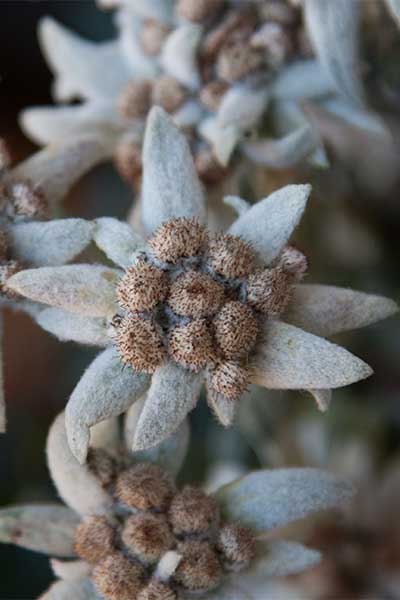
pixel 153 522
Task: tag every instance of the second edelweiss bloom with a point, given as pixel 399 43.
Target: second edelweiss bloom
pixel 191 307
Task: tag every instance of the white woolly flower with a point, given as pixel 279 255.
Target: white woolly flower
pixel 219 67
pixel 191 308
pixel 132 533
pixel 30 192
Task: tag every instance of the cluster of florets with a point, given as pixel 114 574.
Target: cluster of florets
pixel 198 299
pixel 19 200
pixel 240 41
pixel 150 519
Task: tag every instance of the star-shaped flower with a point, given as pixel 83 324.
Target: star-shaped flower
pixel 192 307
pixel 219 67
pixel 30 192
pixel 133 534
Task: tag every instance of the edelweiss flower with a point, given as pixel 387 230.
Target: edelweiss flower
pixel 193 307
pixel 136 536
pixel 29 192
pixel 218 66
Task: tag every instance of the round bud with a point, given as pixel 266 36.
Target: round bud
pixel 94 539
pixel 237 546
pixel 229 379
pixel 177 239
pixel 128 159
pixel 230 256
pixel 238 59
pixel 156 590
pixel 198 10
pixel 142 287
pixel 102 465
pixel 269 291
pixel 236 329
pixel 147 537
pixel 191 345
pixel 152 36
pixel 134 101
pixel 195 295
pixel 168 93
pixel 117 578
pixel 199 570
pixel 139 344
pixel 192 512
pixel 208 168
pixel 28 200
pixel 145 486
pixel 211 94
pixel 8 269
pixel 293 262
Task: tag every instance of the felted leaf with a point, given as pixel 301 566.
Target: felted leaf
pixel 49 243
pixel 334 31
pixel 224 409
pixel 326 310
pixel 80 589
pixel 179 55
pixel 161 10
pixel 106 434
pixel 58 167
pixel 82 68
pixel 48 529
pixel 222 139
pixel 170 454
pixel 173 393
pixel 230 591
pixel 270 222
pixel 394 7
pixel 189 114
pixel 283 152
pixel 117 240
pixel 95 119
pixel 171 187
pixel 83 289
pixel 267 499
pixel 290 358
pixel 243 106
pixel 76 485
pixel 70 570
pixel 322 398
pixel 301 79
pixel 130 28
pixel 69 327
pixel 279 558
pixel 106 389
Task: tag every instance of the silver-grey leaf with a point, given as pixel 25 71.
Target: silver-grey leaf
pixel 69 327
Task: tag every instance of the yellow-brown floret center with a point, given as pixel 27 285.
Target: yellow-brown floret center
pixel 151 518
pixel 200 300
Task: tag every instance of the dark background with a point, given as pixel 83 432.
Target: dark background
pixel 40 372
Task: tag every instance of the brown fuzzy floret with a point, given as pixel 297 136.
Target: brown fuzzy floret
pixel 147 537
pixel 142 287
pixel 94 539
pixel 208 168
pixel 193 512
pixel 168 93
pixel 103 465
pixel 235 329
pixel 145 487
pixel 152 36
pixel 293 262
pixel 269 291
pixel 7 269
pixel 230 379
pixel 238 59
pixel 212 94
pixel 177 239
pixel 117 578
pixel 191 345
pixel 230 256
pixel 134 101
pixel 198 10
pixel 139 344
pixel 128 159
pixel 237 546
pixel 195 295
pixel 199 569
pixel 156 590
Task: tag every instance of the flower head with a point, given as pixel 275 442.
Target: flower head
pixel 140 536
pixel 190 307
pixel 217 66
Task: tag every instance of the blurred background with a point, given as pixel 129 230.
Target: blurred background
pixel 351 235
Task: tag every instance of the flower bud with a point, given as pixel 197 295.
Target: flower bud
pixel 237 546
pixel 94 539
pixel 236 329
pixel 144 487
pixel 117 578
pixel 193 512
pixel 177 239
pixel 152 36
pixel 230 256
pixel 134 101
pixel 269 291
pixel 168 93
pixel 142 287
pixel 199 570
pixel 156 590
pixel 230 379
pixel 147 537
pixel 195 295
pixel 139 344
pixel 191 345
pixel 198 10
